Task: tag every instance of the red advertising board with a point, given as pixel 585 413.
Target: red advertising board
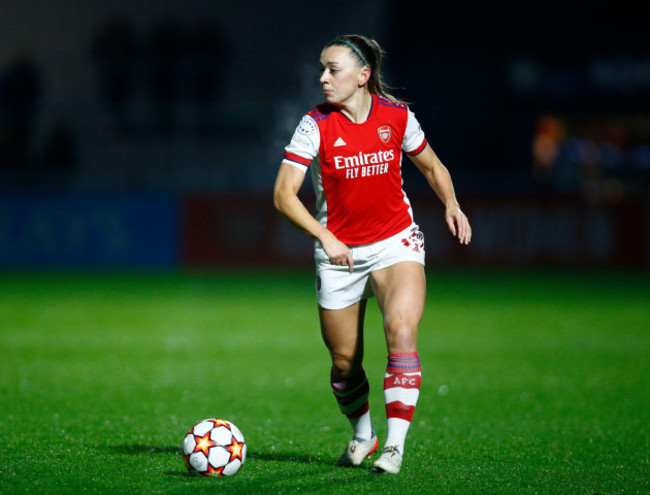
pixel 233 230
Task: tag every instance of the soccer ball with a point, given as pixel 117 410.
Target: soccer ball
pixel 214 447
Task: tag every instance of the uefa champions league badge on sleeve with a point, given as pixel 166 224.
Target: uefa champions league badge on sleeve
pixel 306 127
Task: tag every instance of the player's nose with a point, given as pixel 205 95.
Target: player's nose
pixel 323 77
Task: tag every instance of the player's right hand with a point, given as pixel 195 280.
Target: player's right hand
pixel 337 252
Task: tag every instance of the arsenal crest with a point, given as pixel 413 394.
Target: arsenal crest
pixel 384 133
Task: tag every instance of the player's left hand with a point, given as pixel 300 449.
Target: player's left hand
pixel 458 224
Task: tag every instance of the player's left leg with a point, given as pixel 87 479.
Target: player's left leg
pixel 400 290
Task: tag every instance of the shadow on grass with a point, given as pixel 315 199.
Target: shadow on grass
pixel 252 456
pixel 287 457
pixel 137 449
pixel 263 456
pixel 142 449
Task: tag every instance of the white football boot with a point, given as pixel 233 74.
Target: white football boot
pixel 357 450
pixel 390 461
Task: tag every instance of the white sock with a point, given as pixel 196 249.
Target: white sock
pixel 362 427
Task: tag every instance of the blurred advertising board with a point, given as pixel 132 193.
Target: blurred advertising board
pixel 88 230
pixel 536 231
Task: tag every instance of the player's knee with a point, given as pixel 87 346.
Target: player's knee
pixel 344 365
pixel 401 337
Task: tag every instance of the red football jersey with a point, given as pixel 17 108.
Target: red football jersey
pixel 358 177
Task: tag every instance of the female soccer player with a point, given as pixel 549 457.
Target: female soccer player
pixel 366 242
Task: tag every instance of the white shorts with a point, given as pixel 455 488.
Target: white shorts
pixel 337 288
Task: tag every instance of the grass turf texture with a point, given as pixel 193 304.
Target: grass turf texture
pixel 533 382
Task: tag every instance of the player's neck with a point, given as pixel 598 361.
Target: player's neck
pixel 357 108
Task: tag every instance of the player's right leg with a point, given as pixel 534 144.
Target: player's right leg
pixel 342 332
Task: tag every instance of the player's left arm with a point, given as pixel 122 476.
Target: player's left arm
pixel 440 181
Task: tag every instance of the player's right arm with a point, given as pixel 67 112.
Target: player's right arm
pixel 285 198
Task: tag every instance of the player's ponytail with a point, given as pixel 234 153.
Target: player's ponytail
pixel 368 54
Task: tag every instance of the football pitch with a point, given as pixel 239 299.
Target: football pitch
pixel 532 382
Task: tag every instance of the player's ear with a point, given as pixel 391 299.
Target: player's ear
pixel 364 76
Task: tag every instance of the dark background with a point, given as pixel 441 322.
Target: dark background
pixel 187 98
pixel 483 73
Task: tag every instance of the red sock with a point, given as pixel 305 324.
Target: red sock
pixel 401 392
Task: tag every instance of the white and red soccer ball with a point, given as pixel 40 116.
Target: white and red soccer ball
pixel 214 447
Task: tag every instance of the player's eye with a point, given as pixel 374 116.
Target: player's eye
pixel 331 70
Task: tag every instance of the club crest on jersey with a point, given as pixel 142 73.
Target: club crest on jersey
pixel 384 133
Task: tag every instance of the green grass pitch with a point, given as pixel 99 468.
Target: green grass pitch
pixel 533 382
